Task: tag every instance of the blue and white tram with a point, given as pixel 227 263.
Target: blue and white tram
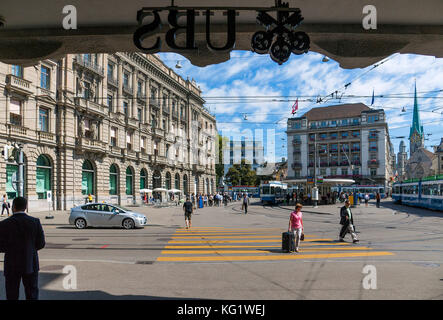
pixel 273 192
pixel 427 193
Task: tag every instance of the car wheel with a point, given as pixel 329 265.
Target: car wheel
pixel 80 223
pixel 128 224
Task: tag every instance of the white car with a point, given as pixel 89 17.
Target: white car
pixel 105 215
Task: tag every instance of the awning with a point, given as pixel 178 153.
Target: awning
pixel 174 191
pixel 145 190
pixel 160 190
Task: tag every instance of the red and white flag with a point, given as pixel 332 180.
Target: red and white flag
pixel 295 106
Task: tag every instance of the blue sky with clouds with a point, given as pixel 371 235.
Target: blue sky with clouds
pixel 253 85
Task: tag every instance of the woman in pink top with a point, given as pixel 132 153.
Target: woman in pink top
pixel 296 224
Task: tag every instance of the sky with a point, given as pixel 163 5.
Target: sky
pixel 254 87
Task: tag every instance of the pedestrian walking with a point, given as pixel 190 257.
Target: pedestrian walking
pixel 193 201
pixel 366 199
pixel 347 222
pixel 21 236
pixel 5 204
pixel 245 203
pixel 378 198
pixel 296 225
pixel 188 209
pixel 89 198
pixel 288 197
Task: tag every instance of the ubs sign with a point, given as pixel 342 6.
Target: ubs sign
pixel 278 39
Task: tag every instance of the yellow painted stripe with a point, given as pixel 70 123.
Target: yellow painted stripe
pixel 246 246
pixel 225 237
pixel 276 257
pixel 254 251
pixel 231 234
pixel 226 229
pixel 237 241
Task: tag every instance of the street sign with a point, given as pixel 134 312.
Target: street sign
pixel 49 196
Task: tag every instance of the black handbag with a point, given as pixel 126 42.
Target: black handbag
pixel 302 237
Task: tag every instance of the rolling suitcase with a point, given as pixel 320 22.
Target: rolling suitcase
pixel 288 242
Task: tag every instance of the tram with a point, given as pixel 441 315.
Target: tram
pixel 425 193
pixel 273 192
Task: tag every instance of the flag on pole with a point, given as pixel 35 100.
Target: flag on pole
pixel 295 106
pixel 372 102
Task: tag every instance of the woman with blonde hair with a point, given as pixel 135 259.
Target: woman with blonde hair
pixel 296 225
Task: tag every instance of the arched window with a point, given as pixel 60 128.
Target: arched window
pixel 43 178
pixel 143 179
pixel 11 170
pixel 157 179
pixel 168 181
pixel 185 184
pixel 113 180
pixel 212 186
pixel 177 181
pixel 87 178
pixel 207 186
pixel 129 180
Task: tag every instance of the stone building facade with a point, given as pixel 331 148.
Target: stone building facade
pixel 349 141
pixel 106 125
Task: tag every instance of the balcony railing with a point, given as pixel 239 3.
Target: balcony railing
pixel 86 63
pixel 46 136
pixel 373 163
pixel 19 84
pixel 17 130
pixel 127 88
pixel 355 149
pixel 89 105
pixel 356 162
pixel 344 163
pixel 333 163
pixel 113 81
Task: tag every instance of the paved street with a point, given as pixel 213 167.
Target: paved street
pixel 230 255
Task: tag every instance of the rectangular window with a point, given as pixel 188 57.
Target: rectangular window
pixel 139 88
pixel 143 145
pixel 125 79
pixel 88 133
pixel 373 172
pixel 113 137
pixel 110 106
pixel 43 119
pixel 344 135
pixel 17 71
pixel 110 71
pixel 139 114
pixel 355 134
pixel 125 108
pixel 86 90
pixel 128 141
pixel 45 80
pixel 15 112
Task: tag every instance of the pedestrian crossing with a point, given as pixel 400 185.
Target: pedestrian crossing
pixel 219 244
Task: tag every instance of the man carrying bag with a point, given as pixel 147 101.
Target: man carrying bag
pixel 347 221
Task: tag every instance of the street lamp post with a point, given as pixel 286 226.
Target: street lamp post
pixel 315 189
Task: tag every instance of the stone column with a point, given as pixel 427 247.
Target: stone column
pixel 120 87
pixel 148 102
pixel 134 93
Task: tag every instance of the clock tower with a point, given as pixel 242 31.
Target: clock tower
pixel 416 136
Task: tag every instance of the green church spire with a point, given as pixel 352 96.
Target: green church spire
pixel 416 126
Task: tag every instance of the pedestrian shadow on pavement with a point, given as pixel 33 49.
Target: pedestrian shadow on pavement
pixel 421 212
pixel 46 278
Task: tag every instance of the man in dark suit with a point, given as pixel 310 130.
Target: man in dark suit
pixel 347 221
pixel 21 236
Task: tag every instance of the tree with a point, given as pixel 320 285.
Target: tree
pixel 219 166
pixel 241 174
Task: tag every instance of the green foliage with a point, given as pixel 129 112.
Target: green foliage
pixel 241 174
